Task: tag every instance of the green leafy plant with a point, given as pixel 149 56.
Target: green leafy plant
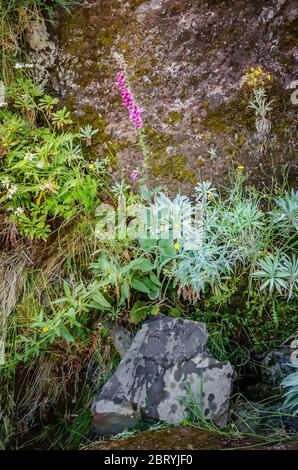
pixel 114 283
pixel 61 118
pixel 87 133
pixel 45 179
pixel 47 104
pixel 65 320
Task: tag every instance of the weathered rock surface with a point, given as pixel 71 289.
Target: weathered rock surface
pixel 165 368
pixel 278 363
pixel 121 338
pixel 273 367
pixel 188 438
pixel 186 59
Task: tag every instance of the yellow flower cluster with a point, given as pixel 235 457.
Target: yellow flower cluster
pixel 255 77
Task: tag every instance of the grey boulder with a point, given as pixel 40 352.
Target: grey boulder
pixel 278 363
pixel 166 368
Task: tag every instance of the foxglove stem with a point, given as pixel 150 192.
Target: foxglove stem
pixel 135 114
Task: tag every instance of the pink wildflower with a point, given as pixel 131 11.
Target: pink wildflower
pixel 139 123
pixel 128 100
pixel 133 175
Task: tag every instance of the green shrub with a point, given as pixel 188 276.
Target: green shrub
pixel 45 178
pixel 235 263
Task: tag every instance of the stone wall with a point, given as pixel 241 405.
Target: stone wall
pixel 186 60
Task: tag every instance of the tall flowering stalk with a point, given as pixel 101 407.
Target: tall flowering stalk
pixel 135 113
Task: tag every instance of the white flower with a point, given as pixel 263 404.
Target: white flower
pixel 29 157
pixel 39 164
pixel 5 183
pixel 19 211
pixel 12 190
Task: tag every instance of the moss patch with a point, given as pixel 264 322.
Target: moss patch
pixel 163 164
pixel 289 35
pixel 182 438
pixel 174 117
pixel 230 116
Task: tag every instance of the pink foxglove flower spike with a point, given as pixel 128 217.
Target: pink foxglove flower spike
pixel 128 101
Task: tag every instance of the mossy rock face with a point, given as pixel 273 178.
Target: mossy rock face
pixel 186 438
pixel 185 61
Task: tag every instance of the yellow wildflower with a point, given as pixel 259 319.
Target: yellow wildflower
pixel 45 329
pixel 177 246
pixel 240 167
pixel 91 166
pixel 269 77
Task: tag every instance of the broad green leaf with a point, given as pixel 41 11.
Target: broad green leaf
pixel 175 312
pixel 65 333
pixel 139 312
pixel 148 243
pixel 101 300
pixel 155 311
pixel 140 286
pixel 155 279
pixel 140 264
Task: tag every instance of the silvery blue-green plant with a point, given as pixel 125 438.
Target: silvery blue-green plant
pixel 290 266
pixel 86 133
pixel 278 272
pixel 230 235
pixel 262 107
pixel 212 152
pixel 286 213
pixel 168 219
pixel 205 191
pixel 290 397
